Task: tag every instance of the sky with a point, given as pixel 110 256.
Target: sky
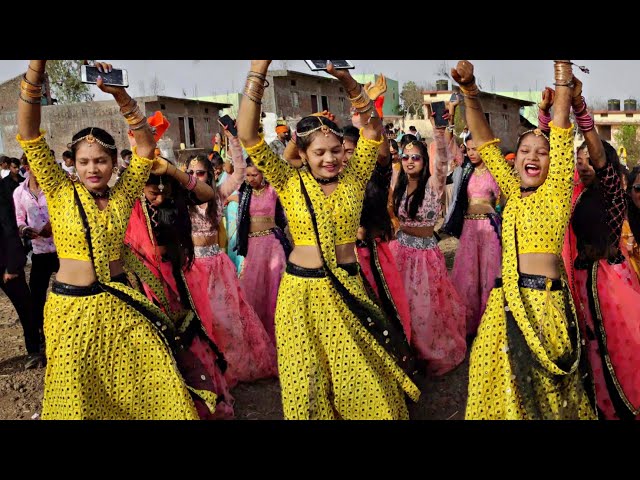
pixel 607 79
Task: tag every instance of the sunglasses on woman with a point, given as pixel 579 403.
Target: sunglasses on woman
pixel 198 173
pixel 636 188
pixel 415 157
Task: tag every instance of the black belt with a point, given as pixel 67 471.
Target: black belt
pixel 298 271
pixel 78 291
pixel 535 282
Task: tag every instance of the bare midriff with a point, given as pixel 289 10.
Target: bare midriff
pixel 544 264
pixel 260 223
pixel 80 272
pixel 308 256
pixel 205 241
pixel 422 232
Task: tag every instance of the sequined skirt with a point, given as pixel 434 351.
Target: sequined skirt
pixel 421 243
pixel 207 251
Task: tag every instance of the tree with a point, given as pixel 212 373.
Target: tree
pixel 65 82
pixel 412 99
pixel 156 86
pixel 626 137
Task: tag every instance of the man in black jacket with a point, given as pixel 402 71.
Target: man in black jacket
pixel 12 278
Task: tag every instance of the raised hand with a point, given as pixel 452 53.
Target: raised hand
pixel 548 96
pixel 106 68
pixel 160 166
pixel 463 73
pixel 376 89
pixel 326 114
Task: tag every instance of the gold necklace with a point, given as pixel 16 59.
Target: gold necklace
pixel 480 170
pixel 257 193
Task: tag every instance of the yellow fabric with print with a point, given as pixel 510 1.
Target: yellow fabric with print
pixel 554 388
pixel 330 366
pixel 105 360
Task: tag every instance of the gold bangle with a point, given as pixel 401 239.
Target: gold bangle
pixel 24 77
pixel 28 101
pixel 137 126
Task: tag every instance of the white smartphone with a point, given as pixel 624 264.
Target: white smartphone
pixel 116 77
pixel 316 65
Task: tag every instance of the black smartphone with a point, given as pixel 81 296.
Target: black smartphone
pixel 439 109
pixel 230 123
pixel 316 65
pixel 116 77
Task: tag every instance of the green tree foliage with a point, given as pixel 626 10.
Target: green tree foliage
pixel 65 82
pixel 412 99
pixel 626 136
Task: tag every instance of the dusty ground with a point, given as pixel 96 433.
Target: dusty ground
pixel 21 390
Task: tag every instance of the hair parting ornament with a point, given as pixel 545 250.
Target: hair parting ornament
pixel 536 131
pixel 91 140
pixel 323 128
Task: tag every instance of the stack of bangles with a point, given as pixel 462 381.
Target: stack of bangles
pixel 563 74
pixel 133 115
pixel 470 89
pixel 30 92
pixel 254 87
pixel 543 120
pixel 583 118
pixel 362 103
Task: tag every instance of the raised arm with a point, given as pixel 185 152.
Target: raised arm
pixel 275 170
pixel 49 174
pixel 561 161
pixel 441 165
pixel 233 182
pixel 481 131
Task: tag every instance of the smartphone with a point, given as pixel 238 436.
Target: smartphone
pixel 116 77
pixel 439 109
pixel 230 123
pixel 316 65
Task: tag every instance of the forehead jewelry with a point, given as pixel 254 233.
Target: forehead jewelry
pixel 323 128
pixel 91 139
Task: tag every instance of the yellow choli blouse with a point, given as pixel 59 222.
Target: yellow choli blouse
pixel 107 226
pixel 542 217
pixel 344 203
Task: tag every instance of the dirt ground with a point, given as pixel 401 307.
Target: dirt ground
pixel 21 390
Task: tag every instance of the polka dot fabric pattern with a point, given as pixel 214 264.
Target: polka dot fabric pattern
pixel 537 324
pixel 107 226
pixel 105 360
pixel 345 201
pixel 330 366
pixel 542 217
pixel 497 361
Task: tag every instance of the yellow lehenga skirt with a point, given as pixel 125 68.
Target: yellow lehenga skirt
pixel 106 361
pixel 330 366
pixel 506 379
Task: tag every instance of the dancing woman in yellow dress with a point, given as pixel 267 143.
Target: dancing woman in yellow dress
pixel 107 346
pixel 338 356
pixel 527 361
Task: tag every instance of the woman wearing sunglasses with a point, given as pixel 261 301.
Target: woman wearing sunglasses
pixel 437 312
pixel 631 226
pixel 214 284
pixel 604 285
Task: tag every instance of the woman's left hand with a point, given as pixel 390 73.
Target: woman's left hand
pixel 106 68
pixel 374 90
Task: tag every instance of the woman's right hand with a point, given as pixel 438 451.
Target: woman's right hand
pixel 260 65
pixel 463 73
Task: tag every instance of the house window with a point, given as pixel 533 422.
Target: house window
pixel 314 103
pixel 341 101
pixel 505 120
pixel 183 135
pixel 295 101
pixel 629 115
pixel 504 106
pixel 341 89
pixel 488 115
pixel 293 83
pixel 192 133
pixel 605 132
pixel 206 110
pixel 162 106
pixel 207 125
pixel 325 102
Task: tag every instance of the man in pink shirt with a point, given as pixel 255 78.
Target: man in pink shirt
pixel 32 217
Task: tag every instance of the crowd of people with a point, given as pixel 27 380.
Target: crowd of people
pixel 315 259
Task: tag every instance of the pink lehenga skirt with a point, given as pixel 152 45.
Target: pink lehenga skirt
pixel 388 270
pixel 438 315
pixel 228 317
pixel 260 277
pixel 609 311
pixel 476 267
